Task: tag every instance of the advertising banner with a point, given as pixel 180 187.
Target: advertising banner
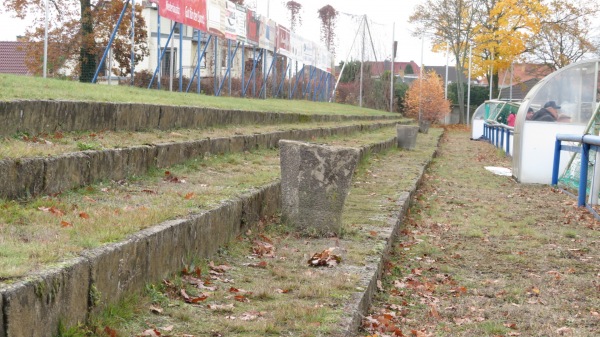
pixel 252 27
pixel 296 47
pixel 241 18
pixel 216 17
pixel 171 9
pixel 308 52
pixel 267 33
pixel 230 23
pixel 283 41
pixel 195 14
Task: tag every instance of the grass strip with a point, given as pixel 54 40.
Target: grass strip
pixel 483 255
pixel 34 88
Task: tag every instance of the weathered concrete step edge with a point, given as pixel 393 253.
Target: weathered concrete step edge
pixel 361 302
pixel 35 117
pixel 26 177
pixel 68 293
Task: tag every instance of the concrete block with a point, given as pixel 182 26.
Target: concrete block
pixel 139 159
pixel 223 224
pixel 107 164
pixel 199 228
pixel 237 143
pixel 66 171
pixel 29 173
pixel 2 331
pixel 168 117
pixel 136 117
pixel 407 136
pixel 250 143
pixel 36 306
pixel 219 146
pixel 251 207
pixel 167 246
pixel 196 148
pixel 168 154
pixel 315 180
pixel 117 269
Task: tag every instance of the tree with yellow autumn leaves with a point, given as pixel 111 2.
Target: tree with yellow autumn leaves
pixel 425 99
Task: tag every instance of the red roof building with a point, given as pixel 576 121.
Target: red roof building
pixel 12 58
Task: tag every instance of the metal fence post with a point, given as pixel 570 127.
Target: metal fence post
pixel 583 173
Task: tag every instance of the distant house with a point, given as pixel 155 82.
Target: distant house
pixel 452 74
pixel 12 58
pixel 379 68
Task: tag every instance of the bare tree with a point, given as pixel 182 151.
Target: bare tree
pixel 565 35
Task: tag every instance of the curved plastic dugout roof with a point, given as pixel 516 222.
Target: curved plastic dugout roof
pixel 575 89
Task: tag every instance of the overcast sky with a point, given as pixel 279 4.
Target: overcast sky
pixel 381 13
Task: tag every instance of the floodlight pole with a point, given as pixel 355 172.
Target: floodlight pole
pixel 362 61
pixel 46 42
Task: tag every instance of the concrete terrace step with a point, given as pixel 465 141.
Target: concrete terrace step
pixel 36 117
pixel 70 292
pixel 26 177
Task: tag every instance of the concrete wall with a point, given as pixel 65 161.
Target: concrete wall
pixel 36 117
pixel 27 177
pixel 101 276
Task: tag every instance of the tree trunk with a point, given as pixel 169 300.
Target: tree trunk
pixel 460 91
pixel 87 54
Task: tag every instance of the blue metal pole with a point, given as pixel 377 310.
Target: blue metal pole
pixel 162 55
pixel 228 72
pixel 583 174
pixel 243 67
pixel 501 137
pixel 158 42
pixel 556 162
pixel 263 88
pixel 181 29
pixel 282 81
pixel 252 74
pixel 217 64
pixel 197 70
pixel 229 63
pixel 110 41
pixel 199 84
pixel 507 142
pixel 298 79
pixel 132 41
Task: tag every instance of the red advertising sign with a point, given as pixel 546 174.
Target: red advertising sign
pixel 283 41
pixel 195 14
pixel 171 9
pixel 253 27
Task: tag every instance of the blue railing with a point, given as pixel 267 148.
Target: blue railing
pixel 587 142
pixel 499 135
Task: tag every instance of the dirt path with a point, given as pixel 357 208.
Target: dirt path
pixel 482 255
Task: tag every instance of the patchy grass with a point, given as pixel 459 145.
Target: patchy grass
pixel 482 255
pixel 44 230
pixel 261 283
pixel 22 145
pixel 34 88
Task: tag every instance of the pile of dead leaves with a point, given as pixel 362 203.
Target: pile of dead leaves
pixel 325 259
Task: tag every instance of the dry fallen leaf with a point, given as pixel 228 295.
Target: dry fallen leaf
pixel 156 309
pixel 325 259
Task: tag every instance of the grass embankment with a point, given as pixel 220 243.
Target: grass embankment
pixel 20 145
pixel 44 230
pixel 35 88
pixel 261 284
pixel 483 255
